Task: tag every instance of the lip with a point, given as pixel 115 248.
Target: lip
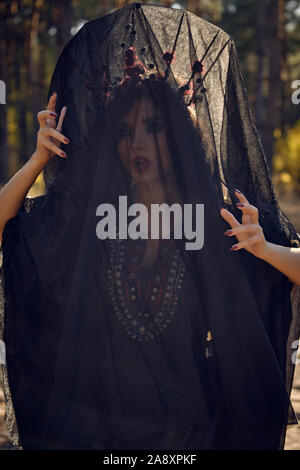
pixel 141 164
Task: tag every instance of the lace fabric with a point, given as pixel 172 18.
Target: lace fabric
pixel 10 417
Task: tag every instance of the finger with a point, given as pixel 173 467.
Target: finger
pixel 57 135
pixel 61 118
pixel 249 210
pixel 42 117
pixel 52 102
pixel 243 229
pixel 246 243
pixel 229 217
pixel 241 196
pixel 54 148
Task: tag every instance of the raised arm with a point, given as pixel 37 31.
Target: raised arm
pixel 48 144
pixel 251 237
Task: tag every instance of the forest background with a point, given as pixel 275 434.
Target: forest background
pixel 267 37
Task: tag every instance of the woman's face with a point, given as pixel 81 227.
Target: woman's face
pixel 142 143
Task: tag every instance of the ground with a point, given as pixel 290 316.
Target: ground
pixel 290 204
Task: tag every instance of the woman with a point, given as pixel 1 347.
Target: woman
pixel 142 342
pixel 12 197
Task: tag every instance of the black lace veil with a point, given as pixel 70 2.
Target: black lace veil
pixel 123 334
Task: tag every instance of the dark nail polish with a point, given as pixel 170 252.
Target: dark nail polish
pixel 53 114
pixel 63 154
pixel 234 247
pixel 228 232
pixel 66 141
pixel 239 204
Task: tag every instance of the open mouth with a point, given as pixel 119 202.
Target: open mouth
pixel 141 164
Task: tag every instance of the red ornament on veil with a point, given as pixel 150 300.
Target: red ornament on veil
pixel 168 57
pixel 132 66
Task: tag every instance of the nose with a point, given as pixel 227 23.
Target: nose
pixel 138 139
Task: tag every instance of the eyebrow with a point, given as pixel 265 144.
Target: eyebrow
pixel 145 118
pixel 153 116
pixel 148 118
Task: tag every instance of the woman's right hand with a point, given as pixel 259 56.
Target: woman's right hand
pixel 49 136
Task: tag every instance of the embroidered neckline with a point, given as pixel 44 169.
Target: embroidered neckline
pixel 146 312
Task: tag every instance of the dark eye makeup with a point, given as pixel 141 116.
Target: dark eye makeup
pixel 123 130
pixel 152 124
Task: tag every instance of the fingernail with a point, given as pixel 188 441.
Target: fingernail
pixel 238 191
pixel 234 247
pixel 53 94
pixel 66 140
pixel 220 208
pixel 239 204
pixel 228 232
pixel 53 114
pixel 63 154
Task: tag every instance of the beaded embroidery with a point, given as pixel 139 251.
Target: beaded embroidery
pixel 143 318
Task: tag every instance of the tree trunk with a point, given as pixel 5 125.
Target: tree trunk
pixel 63 15
pixel 195 6
pixel 3 107
pixel 276 10
pixel 261 63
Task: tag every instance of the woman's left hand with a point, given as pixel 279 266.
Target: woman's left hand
pixel 249 233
